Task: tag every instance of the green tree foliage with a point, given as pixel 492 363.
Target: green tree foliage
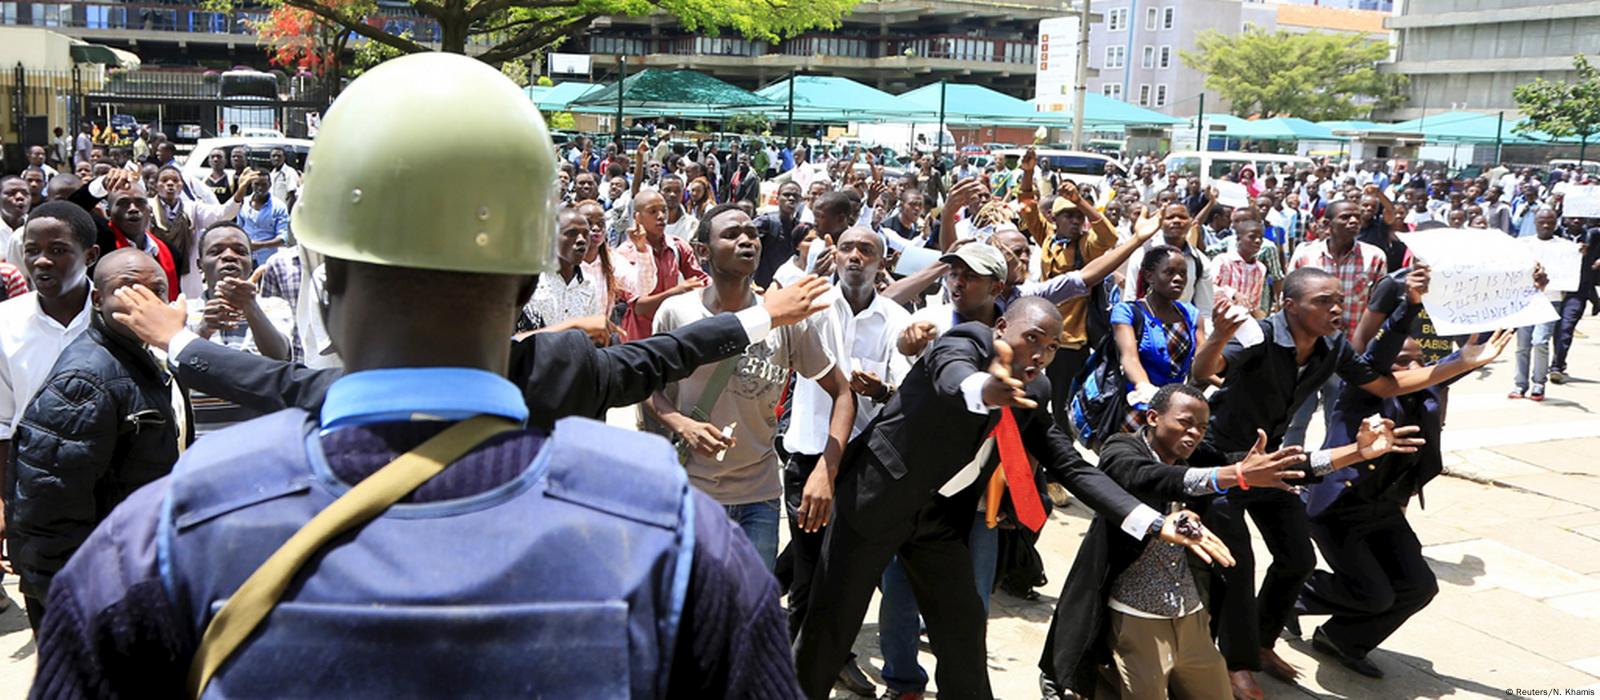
pixel 500 30
pixel 1563 109
pixel 1313 76
pixel 748 123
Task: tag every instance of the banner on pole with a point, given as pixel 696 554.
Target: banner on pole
pixel 1057 64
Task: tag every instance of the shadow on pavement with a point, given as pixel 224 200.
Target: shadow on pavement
pixel 1462 573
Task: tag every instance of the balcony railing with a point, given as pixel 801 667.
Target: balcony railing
pixel 948 47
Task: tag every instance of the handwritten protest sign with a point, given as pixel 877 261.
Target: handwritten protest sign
pixel 1482 280
pixel 1562 261
pixel 1582 202
pixel 1231 194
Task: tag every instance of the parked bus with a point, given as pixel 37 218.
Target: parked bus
pixel 254 102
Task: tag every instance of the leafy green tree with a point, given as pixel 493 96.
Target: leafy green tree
pixel 748 123
pixel 1313 76
pixel 1564 109
pixel 501 30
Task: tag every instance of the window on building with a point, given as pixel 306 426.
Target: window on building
pixel 1149 59
pixel 1112 90
pixel 1164 57
pixel 1144 94
pixel 1116 56
pixel 1169 15
pixel 1150 15
pixel 1161 95
pixel 1117 19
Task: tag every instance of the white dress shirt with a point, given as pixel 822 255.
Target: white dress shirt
pixel 30 342
pixel 868 340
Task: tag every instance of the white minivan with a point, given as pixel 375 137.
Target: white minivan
pixel 1214 164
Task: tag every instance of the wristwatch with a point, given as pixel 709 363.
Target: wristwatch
pixel 1157 524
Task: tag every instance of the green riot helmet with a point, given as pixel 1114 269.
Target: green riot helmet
pixel 433 161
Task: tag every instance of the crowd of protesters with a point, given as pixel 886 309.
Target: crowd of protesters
pixel 855 362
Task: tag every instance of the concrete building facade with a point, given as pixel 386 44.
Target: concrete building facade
pixel 1469 54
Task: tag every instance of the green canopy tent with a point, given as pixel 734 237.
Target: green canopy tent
pixel 653 92
pixel 556 97
pixel 830 99
pixel 1336 126
pixel 1101 111
pixel 972 105
pixel 1281 129
pixel 1471 127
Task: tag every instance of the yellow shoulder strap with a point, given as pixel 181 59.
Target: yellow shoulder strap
pixel 260 593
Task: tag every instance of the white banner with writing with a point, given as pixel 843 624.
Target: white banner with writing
pixel 1482 280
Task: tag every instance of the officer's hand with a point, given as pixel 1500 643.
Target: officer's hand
pixel 915 338
pixel 149 317
pixel 1180 527
pixel 792 304
pixel 816 501
pixel 704 438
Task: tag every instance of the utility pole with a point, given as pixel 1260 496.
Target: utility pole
pixel 1080 90
pixel 1200 125
pixel 790 140
pixel 1499 128
pixel 622 77
pixel 938 149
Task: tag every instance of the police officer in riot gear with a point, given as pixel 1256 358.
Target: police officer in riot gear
pixel 412 539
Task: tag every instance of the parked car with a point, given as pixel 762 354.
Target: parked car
pixel 258 153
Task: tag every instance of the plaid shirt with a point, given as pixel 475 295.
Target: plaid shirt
pixel 1358 271
pixel 280 278
pixel 1245 278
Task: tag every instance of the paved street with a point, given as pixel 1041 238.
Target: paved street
pixel 1513 533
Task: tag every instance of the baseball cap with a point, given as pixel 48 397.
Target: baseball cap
pixel 1062 204
pixel 982 258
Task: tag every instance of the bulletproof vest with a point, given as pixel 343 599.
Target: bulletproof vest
pixel 567 582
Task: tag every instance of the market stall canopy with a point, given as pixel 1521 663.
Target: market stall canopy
pixel 556 97
pixel 975 105
pixel 1099 110
pixel 821 98
pixel 671 93
pixel 1470 127
pixel 1350 125
pixel 1281 129
pixel 1222 124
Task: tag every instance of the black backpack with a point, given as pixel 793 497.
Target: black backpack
pixel 1099 406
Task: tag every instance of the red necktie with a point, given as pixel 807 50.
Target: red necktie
pixel 1019 474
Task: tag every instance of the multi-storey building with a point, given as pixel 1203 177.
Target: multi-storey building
pixel 1469 54
pixel 1137 45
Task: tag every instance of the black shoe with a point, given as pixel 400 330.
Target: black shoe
pixel 1359 664
pixel 1291 627
pixel 853 679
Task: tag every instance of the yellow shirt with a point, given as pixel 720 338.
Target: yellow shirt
pixel 1059 257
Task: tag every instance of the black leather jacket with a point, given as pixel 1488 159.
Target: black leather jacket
pixel 102 426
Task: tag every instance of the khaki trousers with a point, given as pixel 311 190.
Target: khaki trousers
pixel 1154 657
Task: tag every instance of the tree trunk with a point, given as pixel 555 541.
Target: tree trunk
pixel 453 33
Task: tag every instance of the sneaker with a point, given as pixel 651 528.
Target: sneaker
pixel 1558 377
pixel 1536 394
pixel 1515 394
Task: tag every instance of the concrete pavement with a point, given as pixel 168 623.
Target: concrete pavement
pixel 1513 533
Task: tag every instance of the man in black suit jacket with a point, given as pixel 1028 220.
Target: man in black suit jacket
pixel 562 374
pixel 884 493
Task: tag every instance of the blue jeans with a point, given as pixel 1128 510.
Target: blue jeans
pixel 759 521
pixel 1572 307
pixel 1296 434
pixel 1533 341
pixel 899 621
